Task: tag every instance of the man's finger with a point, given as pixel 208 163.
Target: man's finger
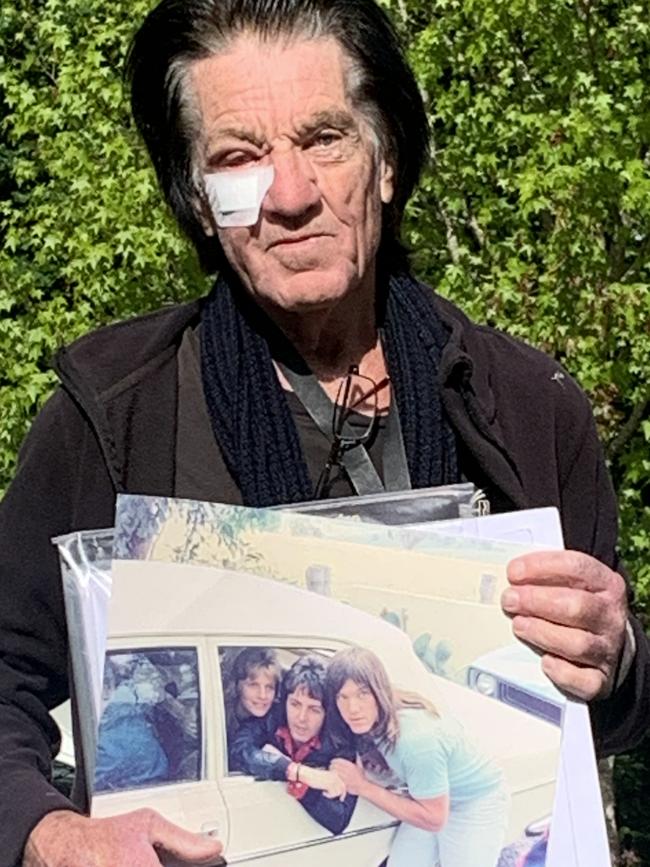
pixel 575 645
pixel 182 844
pixel 582 682
pixel 562 605
pixel 563 568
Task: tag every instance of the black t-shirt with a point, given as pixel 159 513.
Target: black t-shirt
pixel 200 468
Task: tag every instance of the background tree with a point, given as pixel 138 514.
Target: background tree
pixel 534 213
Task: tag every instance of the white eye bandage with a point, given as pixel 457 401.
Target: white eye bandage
pixel 236 196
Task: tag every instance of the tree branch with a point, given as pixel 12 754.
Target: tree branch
pixel 453 245
pixel 640 260
pixel 628 430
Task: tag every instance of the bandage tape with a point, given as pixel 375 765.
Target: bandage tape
pixel 236 196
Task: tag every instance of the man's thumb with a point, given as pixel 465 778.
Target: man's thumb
pixel 184 845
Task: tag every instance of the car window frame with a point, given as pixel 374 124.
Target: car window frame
pixel 272 641
pixel 161 643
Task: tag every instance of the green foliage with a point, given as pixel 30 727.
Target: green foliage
pixel 632 780
pixel 85 236
pixel 534 214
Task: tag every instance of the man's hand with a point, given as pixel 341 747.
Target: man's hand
pixel 573 609
pixel 336 788
pixel 65 839
pixel 352 775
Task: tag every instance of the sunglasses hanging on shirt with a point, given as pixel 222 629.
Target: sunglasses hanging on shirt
pixel 349 424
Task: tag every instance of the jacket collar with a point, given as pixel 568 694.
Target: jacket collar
pixel 465 375
pixel 116 370
pixel 104 369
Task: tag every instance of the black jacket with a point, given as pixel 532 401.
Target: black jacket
pixel 246 754
pixel 526 434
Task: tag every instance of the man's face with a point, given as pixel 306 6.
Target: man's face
pixel 305 716
pixel 257 691
pixel 358 707
pixel 285 104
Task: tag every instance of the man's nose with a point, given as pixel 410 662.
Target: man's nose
pixel 294 189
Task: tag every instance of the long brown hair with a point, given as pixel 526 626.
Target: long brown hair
pixel 366 669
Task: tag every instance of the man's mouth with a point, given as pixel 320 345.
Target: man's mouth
pixel 295 240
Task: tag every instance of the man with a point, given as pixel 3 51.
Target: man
pixel 293 746
pixel 287 136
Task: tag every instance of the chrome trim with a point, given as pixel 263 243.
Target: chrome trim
pixel 539 826
pixel 294 847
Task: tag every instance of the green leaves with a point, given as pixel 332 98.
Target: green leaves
pixel 85 235
pixel 534 214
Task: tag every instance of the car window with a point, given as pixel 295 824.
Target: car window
pixel 149 731
pixel 252 679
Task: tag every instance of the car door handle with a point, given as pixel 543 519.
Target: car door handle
pixel 211 829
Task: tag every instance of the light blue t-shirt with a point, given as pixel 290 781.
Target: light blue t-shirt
pixel 433 757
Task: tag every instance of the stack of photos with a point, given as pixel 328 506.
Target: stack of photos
pixel 316 692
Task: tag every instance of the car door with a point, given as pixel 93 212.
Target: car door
pixel 268 827
pixel 155 732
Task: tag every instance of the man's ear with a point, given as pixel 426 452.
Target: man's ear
pixel 386 182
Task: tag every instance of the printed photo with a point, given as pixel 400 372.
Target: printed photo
pixel 298 727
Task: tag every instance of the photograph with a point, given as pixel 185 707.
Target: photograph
pixel 293 725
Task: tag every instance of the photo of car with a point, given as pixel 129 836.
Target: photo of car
pixel 172 626
pixel 511 675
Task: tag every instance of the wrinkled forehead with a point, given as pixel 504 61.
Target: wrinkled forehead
pixel 268 88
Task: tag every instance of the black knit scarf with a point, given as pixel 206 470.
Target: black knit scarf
pixel 250 416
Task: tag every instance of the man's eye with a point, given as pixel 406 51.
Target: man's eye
pixel 326 139
pixel 237 160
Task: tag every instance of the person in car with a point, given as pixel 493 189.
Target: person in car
pixel 129 748
pixel 291 743
pixel 455 809
pixel 251 687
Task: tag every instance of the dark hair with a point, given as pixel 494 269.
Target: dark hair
pixel 366 669
pixel 306 673
pixel 179 32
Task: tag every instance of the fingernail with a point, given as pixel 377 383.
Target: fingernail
pixel 520 627
pixel 510 600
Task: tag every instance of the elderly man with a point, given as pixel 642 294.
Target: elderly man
pixel 287 136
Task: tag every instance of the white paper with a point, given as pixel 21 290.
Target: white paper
pixel 578 835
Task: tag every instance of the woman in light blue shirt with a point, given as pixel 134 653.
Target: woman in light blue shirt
pixel 455 810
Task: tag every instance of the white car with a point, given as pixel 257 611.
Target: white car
pixel 182 622
pixel 510 675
